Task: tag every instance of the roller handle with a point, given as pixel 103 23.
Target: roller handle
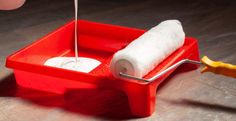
pixel 218 67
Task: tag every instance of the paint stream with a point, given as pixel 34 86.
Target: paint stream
pixel 76 36
pixel 81 64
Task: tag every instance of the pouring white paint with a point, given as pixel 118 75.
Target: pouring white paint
pixel 76 63
pixel 76 25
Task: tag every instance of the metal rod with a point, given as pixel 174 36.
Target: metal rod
pixel 161 73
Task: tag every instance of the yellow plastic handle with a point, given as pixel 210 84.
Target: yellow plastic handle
pixel 218 67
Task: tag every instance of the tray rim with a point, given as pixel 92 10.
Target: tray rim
pixel 10 63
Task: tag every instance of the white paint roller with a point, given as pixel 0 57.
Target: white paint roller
pixel 146 52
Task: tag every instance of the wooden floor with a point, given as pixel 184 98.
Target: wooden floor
pixel 183 96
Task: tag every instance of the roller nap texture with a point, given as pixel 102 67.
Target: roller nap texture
pixel 143 54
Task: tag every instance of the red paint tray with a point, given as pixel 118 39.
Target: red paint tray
pixel 98 41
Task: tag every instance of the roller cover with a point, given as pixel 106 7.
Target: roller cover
pixel 146 52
